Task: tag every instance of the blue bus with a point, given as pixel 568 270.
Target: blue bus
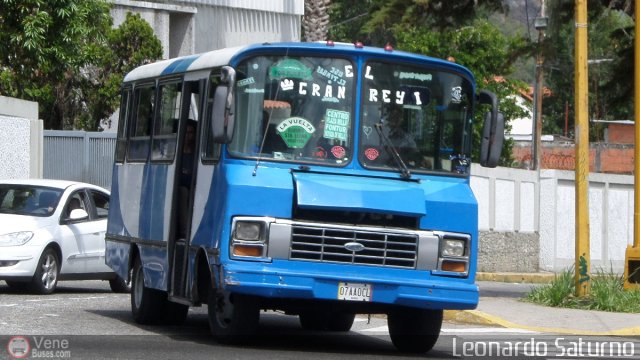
pixel 323 180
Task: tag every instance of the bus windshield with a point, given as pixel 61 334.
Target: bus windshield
pixel 425 115
pixel 295 109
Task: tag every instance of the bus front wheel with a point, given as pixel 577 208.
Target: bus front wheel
pixel 146 303
pixel 233 318
pixel 414 330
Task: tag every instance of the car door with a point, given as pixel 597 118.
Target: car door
pixel 81 239
pixel 94 247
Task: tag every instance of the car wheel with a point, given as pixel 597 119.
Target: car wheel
pixel 326 320
pixel 233 318
pixel 414 330
pixel 146 304
pixel 120 285
pixel 45 278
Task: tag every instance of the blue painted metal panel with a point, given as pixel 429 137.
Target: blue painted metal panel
pixel 325 191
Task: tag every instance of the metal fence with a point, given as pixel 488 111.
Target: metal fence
pixel 79 156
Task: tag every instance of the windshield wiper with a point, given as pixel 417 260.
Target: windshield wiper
pixel 388 145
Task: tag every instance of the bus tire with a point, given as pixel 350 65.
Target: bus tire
pixel 146 304
pixel 414 330
pixel 330 321
pixel 120 285
pixel 233 318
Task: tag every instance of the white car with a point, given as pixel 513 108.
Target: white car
pixel 53 230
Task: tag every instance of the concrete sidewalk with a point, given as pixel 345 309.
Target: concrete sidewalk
pixel 501 305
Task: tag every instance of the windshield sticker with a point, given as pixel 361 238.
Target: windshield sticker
pixel 332 74
pixel 456 94
pixel 348 71
pixel 415 76
pixel 367 130
pixel 290 68
pixel 320 152
pixel 368 73
pixel 338 151
pixel 406 96
pixel 246 82
pixel 376 95
pixel 295 132
pixel 329 93
pixel 371 154
pixel 336 124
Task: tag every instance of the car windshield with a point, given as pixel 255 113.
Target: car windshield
pixel 28 200
pixel 295 109
pixel 415 118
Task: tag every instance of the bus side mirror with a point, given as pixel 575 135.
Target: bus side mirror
pixel 492 131
pixel 222 114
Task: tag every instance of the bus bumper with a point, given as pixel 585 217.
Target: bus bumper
pixel 388 286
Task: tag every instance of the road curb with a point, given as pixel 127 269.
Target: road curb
pixel 469 317
pixel 527 278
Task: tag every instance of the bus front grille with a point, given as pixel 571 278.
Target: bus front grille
pixel 349 245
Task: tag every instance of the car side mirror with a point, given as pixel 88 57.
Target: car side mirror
pixel 492 131
pixel 78 215
pixel 222 114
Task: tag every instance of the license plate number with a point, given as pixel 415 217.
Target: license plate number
pixel 354 291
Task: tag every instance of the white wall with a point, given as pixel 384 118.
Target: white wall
pixel 514 200
pixel 20 139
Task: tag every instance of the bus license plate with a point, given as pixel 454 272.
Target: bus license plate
pixel 354 291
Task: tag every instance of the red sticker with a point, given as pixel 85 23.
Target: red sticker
pixel 371 154
pixel 320 153
pixel 338 152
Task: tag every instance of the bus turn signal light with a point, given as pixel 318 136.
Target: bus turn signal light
pixel 453 266
pixel 247 250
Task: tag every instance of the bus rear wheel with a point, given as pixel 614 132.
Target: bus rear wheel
pixel 233 318
pixel 146 304
pixel 414 330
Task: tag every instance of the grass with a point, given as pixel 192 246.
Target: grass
pixel 606 294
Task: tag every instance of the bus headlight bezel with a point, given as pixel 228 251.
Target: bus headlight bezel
pixel 250 238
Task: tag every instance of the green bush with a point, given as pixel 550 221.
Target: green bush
pixel 606 293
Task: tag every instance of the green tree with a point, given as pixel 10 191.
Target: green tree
pixel 130 45
pixel 610 46
pixel 43 46
pixel 65 55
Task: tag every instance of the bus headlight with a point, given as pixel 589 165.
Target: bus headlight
pixel 249 230
pixel 453 247
pixel 454 254
pixel 249 237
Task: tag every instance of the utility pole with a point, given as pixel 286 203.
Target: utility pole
pixel 540 24
pixel 632 255
pixel 583 257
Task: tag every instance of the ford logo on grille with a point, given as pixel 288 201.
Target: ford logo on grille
pixel 354 246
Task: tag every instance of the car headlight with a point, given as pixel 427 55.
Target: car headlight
pixel 16 238
pixel 453 247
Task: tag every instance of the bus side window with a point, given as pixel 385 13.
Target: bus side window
pixel 211 150
pixel 166 126
pixel 141 122
pixel 121 140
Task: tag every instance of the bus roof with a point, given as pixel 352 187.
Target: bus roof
pixel 221 57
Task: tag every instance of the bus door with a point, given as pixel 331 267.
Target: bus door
pixel 187 160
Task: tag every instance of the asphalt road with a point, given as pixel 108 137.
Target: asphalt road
pixel 85 320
